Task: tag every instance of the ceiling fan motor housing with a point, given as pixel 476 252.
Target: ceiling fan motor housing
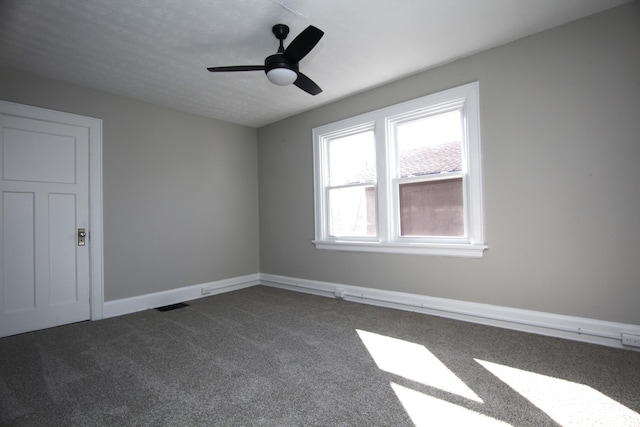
pixel 278 61
pixel 279 70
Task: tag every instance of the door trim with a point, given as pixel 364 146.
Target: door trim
pixel 94 126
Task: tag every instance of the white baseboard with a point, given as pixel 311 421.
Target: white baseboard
pixel 561 326
pixel 555 325
pixel 174 296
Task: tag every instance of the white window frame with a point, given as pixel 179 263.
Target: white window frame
pixel 388 239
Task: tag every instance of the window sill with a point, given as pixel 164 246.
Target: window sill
pixel 465 250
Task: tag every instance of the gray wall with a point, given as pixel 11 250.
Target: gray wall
pixel 561 148
pixel 180 191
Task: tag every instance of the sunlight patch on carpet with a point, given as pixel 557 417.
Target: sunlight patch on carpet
pixel 425 410
pixel 567 402
pixel 414 362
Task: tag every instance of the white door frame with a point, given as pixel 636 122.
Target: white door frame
pixel 95 189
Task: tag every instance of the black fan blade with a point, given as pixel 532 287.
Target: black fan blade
pixel 237 68
pixel 302 45
pixel 307 85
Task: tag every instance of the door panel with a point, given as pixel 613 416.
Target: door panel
pixel 38 156
pixel 62 248
pixel 19 251
pixel 45 278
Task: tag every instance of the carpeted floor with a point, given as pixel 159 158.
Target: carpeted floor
pixel 265 356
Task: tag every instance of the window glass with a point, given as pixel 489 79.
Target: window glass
pixel 430 145
pixel 432 208
pixel 352 159
pixel 352 211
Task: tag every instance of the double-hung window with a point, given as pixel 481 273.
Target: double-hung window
pixel 403 179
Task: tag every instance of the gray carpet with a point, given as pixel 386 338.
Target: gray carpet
pixel 265 356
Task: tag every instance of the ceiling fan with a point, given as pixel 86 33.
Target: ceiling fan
pixel 282 68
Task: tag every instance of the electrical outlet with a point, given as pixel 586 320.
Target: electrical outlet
pixel 631 340
pixel 206 290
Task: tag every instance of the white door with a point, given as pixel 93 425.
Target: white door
pixel 44 182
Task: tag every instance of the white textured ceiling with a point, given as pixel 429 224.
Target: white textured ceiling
pixel 158 50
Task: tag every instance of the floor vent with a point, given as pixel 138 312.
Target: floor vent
pixel 172 306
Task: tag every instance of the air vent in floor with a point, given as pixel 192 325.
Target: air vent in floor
pixel 172 306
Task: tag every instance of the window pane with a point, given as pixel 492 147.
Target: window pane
pixel 352 159
pixel 430 145
pixel 352 211
pixel 432 208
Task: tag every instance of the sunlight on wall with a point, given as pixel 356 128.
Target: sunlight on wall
pixel 567 402
pixel 414 362
pixel 425 410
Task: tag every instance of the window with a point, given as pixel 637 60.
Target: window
pixel 403 179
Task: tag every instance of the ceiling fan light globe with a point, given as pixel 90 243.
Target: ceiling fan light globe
pixel 282 76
